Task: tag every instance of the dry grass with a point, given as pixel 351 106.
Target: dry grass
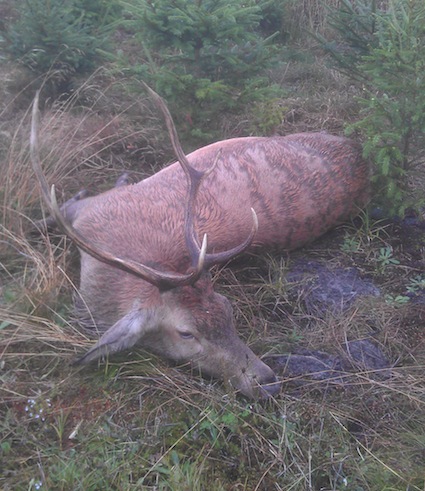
pixel 86 142
pixel 136 422
pixel 315 98
pixel 312 16
pixel 308 16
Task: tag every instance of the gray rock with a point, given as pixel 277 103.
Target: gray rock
pixel 309 365
pixel 325 290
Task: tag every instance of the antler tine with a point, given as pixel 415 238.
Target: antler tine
pixel 223 257
pixel 175 142
pixel 158 278
pixel 190 233
pixel 195 178
pixel 34 153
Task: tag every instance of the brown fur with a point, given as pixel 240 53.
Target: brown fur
pixel 300 186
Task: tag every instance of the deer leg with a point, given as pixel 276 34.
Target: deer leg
pixel 67 210
pixel 70 207
pixel 123 180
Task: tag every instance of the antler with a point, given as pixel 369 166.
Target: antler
pixel 195 178
pixel 200 260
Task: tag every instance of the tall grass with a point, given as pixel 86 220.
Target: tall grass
pixel 80 148
pixel 307 16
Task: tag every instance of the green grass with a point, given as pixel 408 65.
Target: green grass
pixel 127 431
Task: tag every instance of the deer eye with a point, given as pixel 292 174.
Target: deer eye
pixel 186 335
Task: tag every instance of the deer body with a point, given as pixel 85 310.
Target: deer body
pixel 299 186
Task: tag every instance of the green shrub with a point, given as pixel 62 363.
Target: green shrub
pixel 385 49
pixel 207 58
pixel 60 38
pixel 97 14
pixel 393 112
pixel 216 38
pixel 355 24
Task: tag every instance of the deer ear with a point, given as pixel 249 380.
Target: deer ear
pixel 124 334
